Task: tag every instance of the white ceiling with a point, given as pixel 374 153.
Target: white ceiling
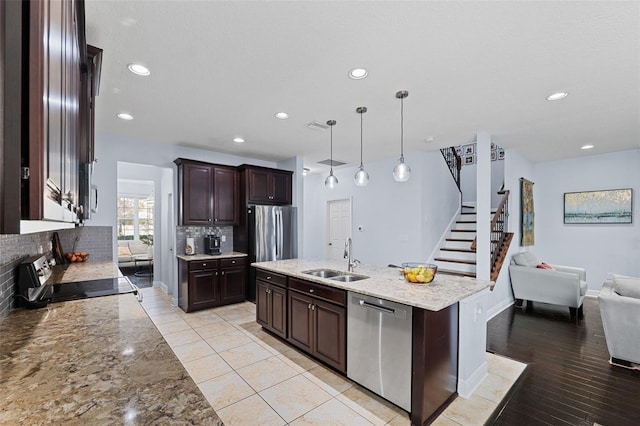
pixel 221 69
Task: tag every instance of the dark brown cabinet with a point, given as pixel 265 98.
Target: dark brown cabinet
pixel 208 283
pixel 271 302
pixel 317 321
pixel 208 193
pixel 233 278
pixel 225 195
pixel 55 126
pixel 262 185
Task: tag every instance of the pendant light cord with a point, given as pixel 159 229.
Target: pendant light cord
pixel 402 128
pixel 331 152
pixel 361 139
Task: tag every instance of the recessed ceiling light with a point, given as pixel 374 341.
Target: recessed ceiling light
pixel 124 116
pixel 281 115
pixel 238 140
pixel 557 96
pixel 305 171
pixel 587 146
pixel 430 139
pixel 358 73
pixel 138 69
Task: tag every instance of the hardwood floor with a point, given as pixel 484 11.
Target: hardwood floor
pixel 569 380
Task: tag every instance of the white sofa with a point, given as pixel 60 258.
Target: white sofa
pixel 619 302
pixel 128 251
pixel 562 285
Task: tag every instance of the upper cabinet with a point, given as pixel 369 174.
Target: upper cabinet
pixel 55 108
pixel 262 185
pixel 208 193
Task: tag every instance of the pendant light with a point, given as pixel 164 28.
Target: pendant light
pixel 362 177
pixel 331 181
pixel 401 172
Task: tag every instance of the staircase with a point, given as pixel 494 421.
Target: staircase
pixel 456 256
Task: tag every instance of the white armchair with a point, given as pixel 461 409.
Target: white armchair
pixel 620 310
pixel 562 285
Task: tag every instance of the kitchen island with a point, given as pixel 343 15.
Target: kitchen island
pixel 290 292
pixel 93 361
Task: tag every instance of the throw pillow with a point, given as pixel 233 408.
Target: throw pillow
pixel 526 259
pixel 124 251
pixel 544 266
pixel 627 286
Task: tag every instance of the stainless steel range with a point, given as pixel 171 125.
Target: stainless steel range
pixel 34 293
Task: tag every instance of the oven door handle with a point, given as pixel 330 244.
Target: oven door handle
pixel 137 292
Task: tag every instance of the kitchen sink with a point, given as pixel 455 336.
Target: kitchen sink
pixel 323 273
pixel 348 278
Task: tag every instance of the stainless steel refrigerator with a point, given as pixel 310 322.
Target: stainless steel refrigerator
pixel 271 236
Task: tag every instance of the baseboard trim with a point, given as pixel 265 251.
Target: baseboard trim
pixel 592 293
pixel 499 308
pixel 469 385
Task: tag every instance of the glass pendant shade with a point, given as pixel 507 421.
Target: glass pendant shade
pixel 401 172
pixel 361 178
pixel 331 181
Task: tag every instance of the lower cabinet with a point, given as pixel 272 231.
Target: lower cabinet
pixel 271 302
pixel 209 283
pixel 317 321
pixel 233 280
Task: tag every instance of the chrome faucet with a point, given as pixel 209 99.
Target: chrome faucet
pixel 348 254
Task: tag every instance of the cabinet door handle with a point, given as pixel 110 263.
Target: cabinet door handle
pixel 222 272
pixel 309 307
pixel 208 220
pixel 313 307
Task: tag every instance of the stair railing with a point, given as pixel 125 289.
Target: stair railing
pixel 498 228
pixel 454 161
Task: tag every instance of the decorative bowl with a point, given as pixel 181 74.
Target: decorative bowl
pixel 77 257
pixel 419 272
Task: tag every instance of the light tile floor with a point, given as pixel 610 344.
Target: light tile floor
pixel 250 377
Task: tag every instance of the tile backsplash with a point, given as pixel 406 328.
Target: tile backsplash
pixel 95 240
pixel 198 233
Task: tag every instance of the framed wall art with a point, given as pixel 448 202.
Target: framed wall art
pixel 469 149
pixel 607 206
pixel 469 159
pixel 526 213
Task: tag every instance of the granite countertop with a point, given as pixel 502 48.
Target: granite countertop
pixel 83 271
pixel 210 256
pixel 385 283
pixel 94 361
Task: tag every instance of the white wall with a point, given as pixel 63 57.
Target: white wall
pixel 110 150
pixel 598 248
pixel 401 221
pixel 516 166
pixel 468 181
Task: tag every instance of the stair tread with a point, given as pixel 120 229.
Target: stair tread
pixel 463 230
pixel 462 240
pixel 466 221
pixel 466 262
pixel 459 273
pixel 458 250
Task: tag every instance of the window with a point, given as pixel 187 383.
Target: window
pixel 135 219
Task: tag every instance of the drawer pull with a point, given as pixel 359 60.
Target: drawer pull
pixel 204 264
pixel 268 277
pixel 233 261
pixel 311 290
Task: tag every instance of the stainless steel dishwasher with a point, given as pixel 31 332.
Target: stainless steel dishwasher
pixel 379 347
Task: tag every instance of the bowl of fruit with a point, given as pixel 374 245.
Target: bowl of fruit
pixel 419 273
pixel 78 256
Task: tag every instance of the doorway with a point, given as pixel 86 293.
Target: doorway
pixel 338 227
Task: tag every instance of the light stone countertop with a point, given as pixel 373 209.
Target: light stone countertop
pixel 93 361
pixel 385 283
pixel 83 271
pixel 210 256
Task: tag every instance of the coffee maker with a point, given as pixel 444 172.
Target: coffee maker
pixel 212 244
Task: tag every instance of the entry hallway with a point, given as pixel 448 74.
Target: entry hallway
pixel 251 378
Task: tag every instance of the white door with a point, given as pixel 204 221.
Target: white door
pixel 339 226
